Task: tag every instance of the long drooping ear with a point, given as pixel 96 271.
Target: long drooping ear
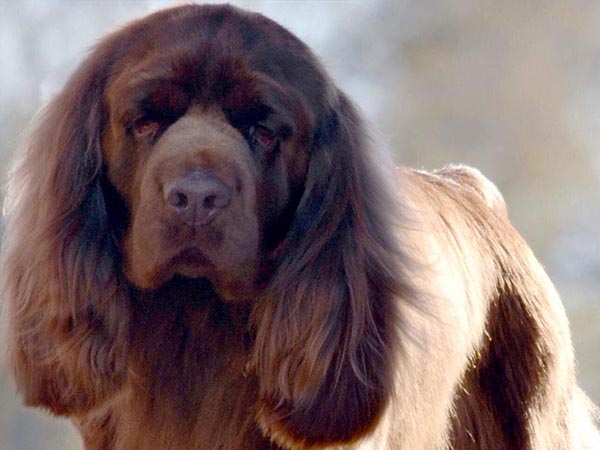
pixel 65 310
pixel 326 338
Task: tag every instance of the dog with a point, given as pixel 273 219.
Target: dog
pixel 205 250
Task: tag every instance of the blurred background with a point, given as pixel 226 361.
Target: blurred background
pixel 510 87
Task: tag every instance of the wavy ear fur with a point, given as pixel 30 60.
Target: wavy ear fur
pixel 326 329
pixel 63 301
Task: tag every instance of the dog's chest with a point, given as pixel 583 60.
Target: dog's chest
pixel 188 386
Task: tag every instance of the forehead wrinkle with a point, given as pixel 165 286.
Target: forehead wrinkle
pixel 131 86
pixel 184 66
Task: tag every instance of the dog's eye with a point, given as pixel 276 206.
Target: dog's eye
pixel 145 129
pixel 261 135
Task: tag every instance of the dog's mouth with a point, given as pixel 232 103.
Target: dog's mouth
pixel 191 262
pixel 228 262
pixel 188 290
pixel 194 266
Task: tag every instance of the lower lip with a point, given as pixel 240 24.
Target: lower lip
pixel 191 257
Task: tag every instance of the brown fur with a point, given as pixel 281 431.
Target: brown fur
pixel 321 307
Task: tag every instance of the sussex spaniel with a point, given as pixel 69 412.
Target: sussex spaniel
pixel 203 252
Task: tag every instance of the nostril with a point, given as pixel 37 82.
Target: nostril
pixel 178 200
pixel 219 199
pixel 210 202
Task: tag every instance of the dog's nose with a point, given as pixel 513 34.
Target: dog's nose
pixel 197 197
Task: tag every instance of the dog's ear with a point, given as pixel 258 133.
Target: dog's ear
pixel 59 268
pixel 326 339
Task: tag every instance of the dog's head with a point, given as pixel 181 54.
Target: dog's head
pixel 206 139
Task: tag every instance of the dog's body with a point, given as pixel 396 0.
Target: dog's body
pixel 202 254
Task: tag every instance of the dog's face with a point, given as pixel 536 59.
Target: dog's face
pixel 207 144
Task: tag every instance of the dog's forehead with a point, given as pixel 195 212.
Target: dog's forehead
pixel 210 32
pixel 203 44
